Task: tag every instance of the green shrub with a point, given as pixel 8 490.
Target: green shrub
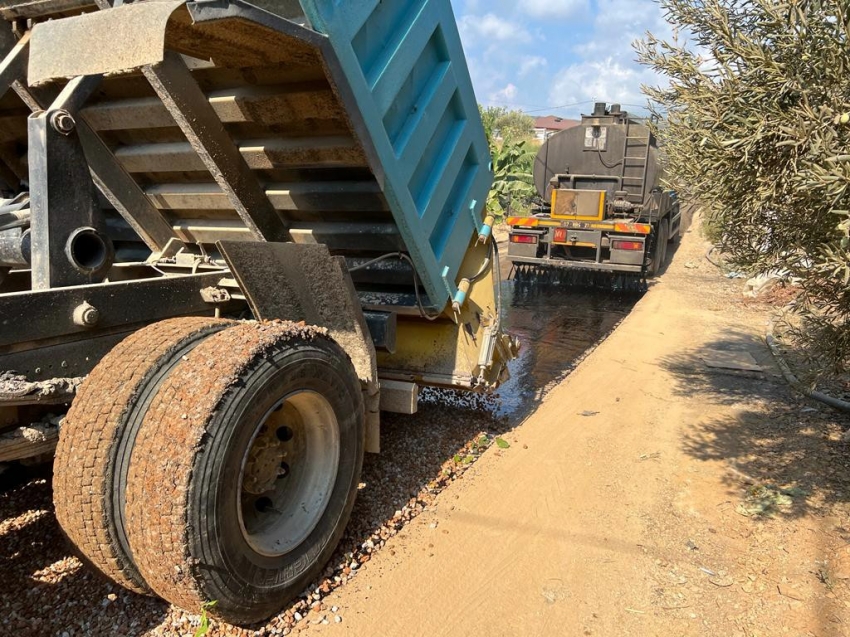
pixel 756 126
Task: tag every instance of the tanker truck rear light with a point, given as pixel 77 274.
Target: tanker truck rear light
pixel 523 238
pixel 642 228
pixel 626 245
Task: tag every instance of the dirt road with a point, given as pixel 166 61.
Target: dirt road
pixel 647 495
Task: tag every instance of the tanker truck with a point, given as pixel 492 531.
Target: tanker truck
pixel 232 234
pixel 605 215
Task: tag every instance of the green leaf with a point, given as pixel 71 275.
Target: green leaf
pixel 204 626
pixel 502 443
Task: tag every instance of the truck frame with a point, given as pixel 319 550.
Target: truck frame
pixel 232 234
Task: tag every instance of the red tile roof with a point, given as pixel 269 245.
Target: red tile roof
pixel 551 122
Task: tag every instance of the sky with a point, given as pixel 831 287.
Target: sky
pixel 536 55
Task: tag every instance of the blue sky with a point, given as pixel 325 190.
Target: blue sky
pixel 537 54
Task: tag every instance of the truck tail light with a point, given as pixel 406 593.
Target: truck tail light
pixel 626 245
pixel 560 235
pixel 523 238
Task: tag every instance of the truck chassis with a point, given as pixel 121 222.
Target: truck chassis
pixel 230 239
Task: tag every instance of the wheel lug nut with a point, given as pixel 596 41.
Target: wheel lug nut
pixel 283 471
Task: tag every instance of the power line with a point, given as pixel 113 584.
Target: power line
pixel 557 108
pixel 515 104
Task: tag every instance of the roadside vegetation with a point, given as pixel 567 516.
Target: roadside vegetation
pixel 755 124
pixel 510 135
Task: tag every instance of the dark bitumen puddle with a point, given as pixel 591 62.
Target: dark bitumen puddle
pixel 557 325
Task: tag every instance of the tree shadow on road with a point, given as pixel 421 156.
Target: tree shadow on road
pixel 784 453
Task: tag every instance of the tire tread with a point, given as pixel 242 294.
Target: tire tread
pixel 173 430
pixel 89 439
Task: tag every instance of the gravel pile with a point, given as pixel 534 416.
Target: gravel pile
pixel 47 591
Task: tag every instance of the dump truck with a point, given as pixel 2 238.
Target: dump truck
pixel 604 215
pixel 232 234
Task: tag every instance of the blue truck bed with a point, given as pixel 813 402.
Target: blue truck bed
pixel 408 75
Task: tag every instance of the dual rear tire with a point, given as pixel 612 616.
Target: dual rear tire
pixel 226 469
pixel 660 243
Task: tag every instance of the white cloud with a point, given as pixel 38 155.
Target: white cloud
pixel 490 28
pixel 531 63
pixel 507 94
pixel 615 37
pixel 537 54
pixel 549 9
pixel 605 80
pixel 609 70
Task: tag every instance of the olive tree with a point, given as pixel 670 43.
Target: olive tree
pixel 510 125
pixel 756 126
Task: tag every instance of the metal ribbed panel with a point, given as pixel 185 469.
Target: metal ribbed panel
pixel 41 8
pixel 368 139
pixel 408 74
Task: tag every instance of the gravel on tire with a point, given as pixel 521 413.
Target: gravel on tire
pixel 173 429
pixel 87 463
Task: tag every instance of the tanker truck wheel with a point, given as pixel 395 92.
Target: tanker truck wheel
pixel 660 248
pixel 673 239
pixel 95 441
pixel 261 433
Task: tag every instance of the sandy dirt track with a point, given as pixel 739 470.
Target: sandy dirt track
pixel 628 503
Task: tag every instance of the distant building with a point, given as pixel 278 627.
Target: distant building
pixel 545 127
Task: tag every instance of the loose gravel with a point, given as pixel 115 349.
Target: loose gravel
pixel 48 591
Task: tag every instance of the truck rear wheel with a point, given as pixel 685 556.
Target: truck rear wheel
pixel 660 248
pixel 675 236
pixel 92 457
pixel 261 431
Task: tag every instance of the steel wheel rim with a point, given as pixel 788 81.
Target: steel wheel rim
pixel 298 439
